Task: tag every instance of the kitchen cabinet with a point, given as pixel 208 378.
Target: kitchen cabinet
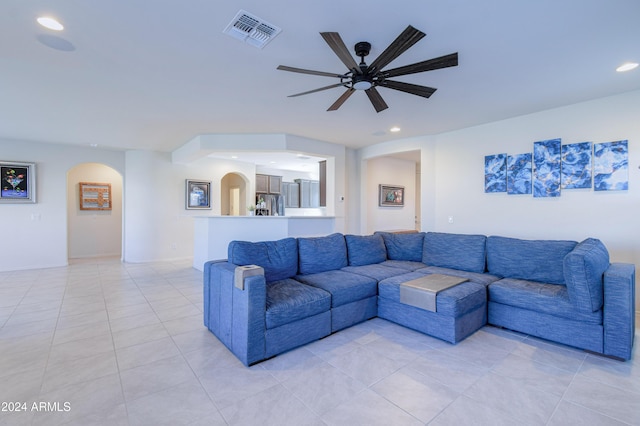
pixel 275 184
pixel 309 193
pixel 262 184
pixel 291 192
pixel 268 184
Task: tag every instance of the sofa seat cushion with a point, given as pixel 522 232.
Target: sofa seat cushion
pixel 550 299
pixel 378 272
pixel 344 287
pixel 484 279
pixel 532 260
pixel 289 300
pixel 453 302
pixel 406 247
pixel 278 258
pixel 455 251
pixel 407 265
pixel 365 249
pixel 584 268
pixel 320 254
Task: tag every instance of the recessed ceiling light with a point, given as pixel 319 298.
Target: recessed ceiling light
pixel 234 156
pixel 628 66
pixel 272 162
pixel 51 23
pixel 394 129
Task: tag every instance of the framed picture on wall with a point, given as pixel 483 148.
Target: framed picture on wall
pixel 17 182
pixel 391 195
pixel 198 194
pixel 95 196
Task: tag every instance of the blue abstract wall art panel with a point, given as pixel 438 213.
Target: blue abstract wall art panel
pixel 576 165
pixel 495 173
pixel 611 166
pixel 519 174
pixel 546 168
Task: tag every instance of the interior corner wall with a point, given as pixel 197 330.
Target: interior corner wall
pixel 350 198
pixel 36 234
pixel 158 226
pixel 365 174
pixel 395 172
pixel 94 233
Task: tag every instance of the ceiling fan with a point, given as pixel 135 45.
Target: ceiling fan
pixel 368 77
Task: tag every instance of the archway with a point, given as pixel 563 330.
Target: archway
pixel 95 230
pixel 233 195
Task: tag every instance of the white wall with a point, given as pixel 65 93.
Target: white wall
pixel 157 224
pixel 94 233
pixel 390 171
pixel 364 175
pixel 35 235
pixel 611 216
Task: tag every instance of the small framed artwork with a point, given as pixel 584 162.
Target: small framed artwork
pixel 495 173
pixel 95 196
pixel 17 182
pixel 611 166
pixel 391 195
pixel 198 194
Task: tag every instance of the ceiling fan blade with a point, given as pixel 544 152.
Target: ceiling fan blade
pixel 413 89
pixel 317 90
pixel 312 72
pixel 445 61
pixel 337 104
pixel 405 40
pixel 337 45
pixel 376 100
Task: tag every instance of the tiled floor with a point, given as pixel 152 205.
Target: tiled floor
pixel 100 342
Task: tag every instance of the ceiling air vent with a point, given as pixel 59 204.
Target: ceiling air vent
pixel 251 29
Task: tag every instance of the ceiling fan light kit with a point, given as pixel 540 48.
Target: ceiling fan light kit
pixel 368 77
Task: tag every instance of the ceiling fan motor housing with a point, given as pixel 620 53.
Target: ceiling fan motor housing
pixel 362 49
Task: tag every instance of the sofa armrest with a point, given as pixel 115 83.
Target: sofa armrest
pixel 236 315
pixel 619 310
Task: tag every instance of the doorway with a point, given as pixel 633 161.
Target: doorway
pixel 233 195
pixel 94 233
pixel 234 201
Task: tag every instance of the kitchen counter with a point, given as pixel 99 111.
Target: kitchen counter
pixel 212 234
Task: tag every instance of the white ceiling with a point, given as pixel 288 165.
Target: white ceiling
pixel 281 160
pixel 154 74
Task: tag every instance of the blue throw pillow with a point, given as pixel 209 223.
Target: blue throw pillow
pixel 403 246
pixel 584 268
pixel 365 250
pixel 320 254
pixel 455 251
pixel 278 258
pixel 533 260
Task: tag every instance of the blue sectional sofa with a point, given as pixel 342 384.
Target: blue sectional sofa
pixel 272 296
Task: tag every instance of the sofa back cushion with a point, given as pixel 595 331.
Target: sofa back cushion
pixel 278 258
pixel 584 268
pixel 365 249
pixel 320 254
pixel 403 246
pixel 533 260
pixel 455 251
